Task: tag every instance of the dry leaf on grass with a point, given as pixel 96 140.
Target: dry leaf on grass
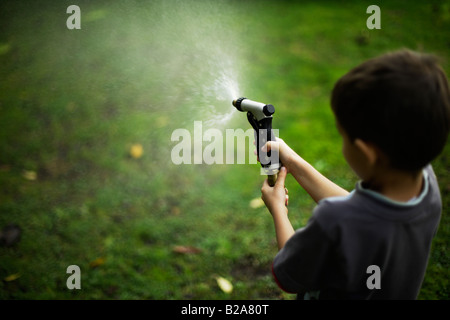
pixel 29 175
pixel 12 277
pixel 136 150
pixel 224 284
pixel 186 249
pixel 97 262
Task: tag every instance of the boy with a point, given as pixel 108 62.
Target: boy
pixel 393 113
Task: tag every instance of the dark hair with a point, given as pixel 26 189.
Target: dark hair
pixel 400 102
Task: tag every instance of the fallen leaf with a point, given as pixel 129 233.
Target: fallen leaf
pixel 97 262
pixel 136 150
pixel 186 249
pixel 12 277
pixel 161 121
pixel 256 203
pixel 175 210
pixel 224 284
pixel 29 175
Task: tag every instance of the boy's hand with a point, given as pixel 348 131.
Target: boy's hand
pixel 276 197
pixel 286 154
pixel 317 185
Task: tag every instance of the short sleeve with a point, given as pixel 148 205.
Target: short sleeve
pixel 300 265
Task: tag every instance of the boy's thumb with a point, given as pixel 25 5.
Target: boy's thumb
pixel 270 145
pixel 281 176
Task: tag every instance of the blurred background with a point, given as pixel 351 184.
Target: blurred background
pixel 86 123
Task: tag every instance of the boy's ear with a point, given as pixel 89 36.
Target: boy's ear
pixel 368 150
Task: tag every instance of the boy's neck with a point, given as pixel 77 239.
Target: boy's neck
pixel 396 185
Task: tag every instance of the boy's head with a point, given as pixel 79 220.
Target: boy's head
pixel 400 103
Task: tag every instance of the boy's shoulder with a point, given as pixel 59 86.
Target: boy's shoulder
pixel 366 207
pixel 333 212
pixel 343 207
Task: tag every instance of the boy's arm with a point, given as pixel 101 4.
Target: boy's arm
pixel 316 184
pixel 275 200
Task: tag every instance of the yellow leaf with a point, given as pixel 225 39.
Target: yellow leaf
pixel 136 150
pixel 256 203
pixel 97 262
pixel 186 249
pixel 175 210
pixel 161 121
pixel 224 284
pixel 29 175
pixel 12 277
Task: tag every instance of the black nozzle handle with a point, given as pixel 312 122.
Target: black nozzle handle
pixel 269 160
pixel 264 134
pixel 259 115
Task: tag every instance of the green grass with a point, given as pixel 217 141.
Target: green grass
pixel 73 102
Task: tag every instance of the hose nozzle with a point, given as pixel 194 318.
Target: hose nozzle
pixel 258 109
pixel 259 115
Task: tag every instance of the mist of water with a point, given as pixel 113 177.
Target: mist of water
pixel 192 52
pixel 220 93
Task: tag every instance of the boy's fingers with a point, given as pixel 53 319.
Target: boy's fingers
pixel 256 154
pixel 271 145
pixel 267 147
pixel 281 177
pixel 264 187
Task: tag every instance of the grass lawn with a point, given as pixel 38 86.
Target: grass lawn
pixel 86 119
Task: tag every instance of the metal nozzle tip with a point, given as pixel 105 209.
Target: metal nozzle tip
pixel 237 103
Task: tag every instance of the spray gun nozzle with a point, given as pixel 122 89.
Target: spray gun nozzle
pixel 237 103
pixel 260 117
pixel 258 109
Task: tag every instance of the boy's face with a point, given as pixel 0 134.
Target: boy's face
pixel 354 156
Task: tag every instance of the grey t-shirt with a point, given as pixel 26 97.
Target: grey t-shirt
pixel 331 257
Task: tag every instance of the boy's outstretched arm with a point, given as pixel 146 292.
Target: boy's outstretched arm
pixel 316 184
pixel 275 199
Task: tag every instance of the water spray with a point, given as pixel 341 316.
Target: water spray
pixel 259 115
